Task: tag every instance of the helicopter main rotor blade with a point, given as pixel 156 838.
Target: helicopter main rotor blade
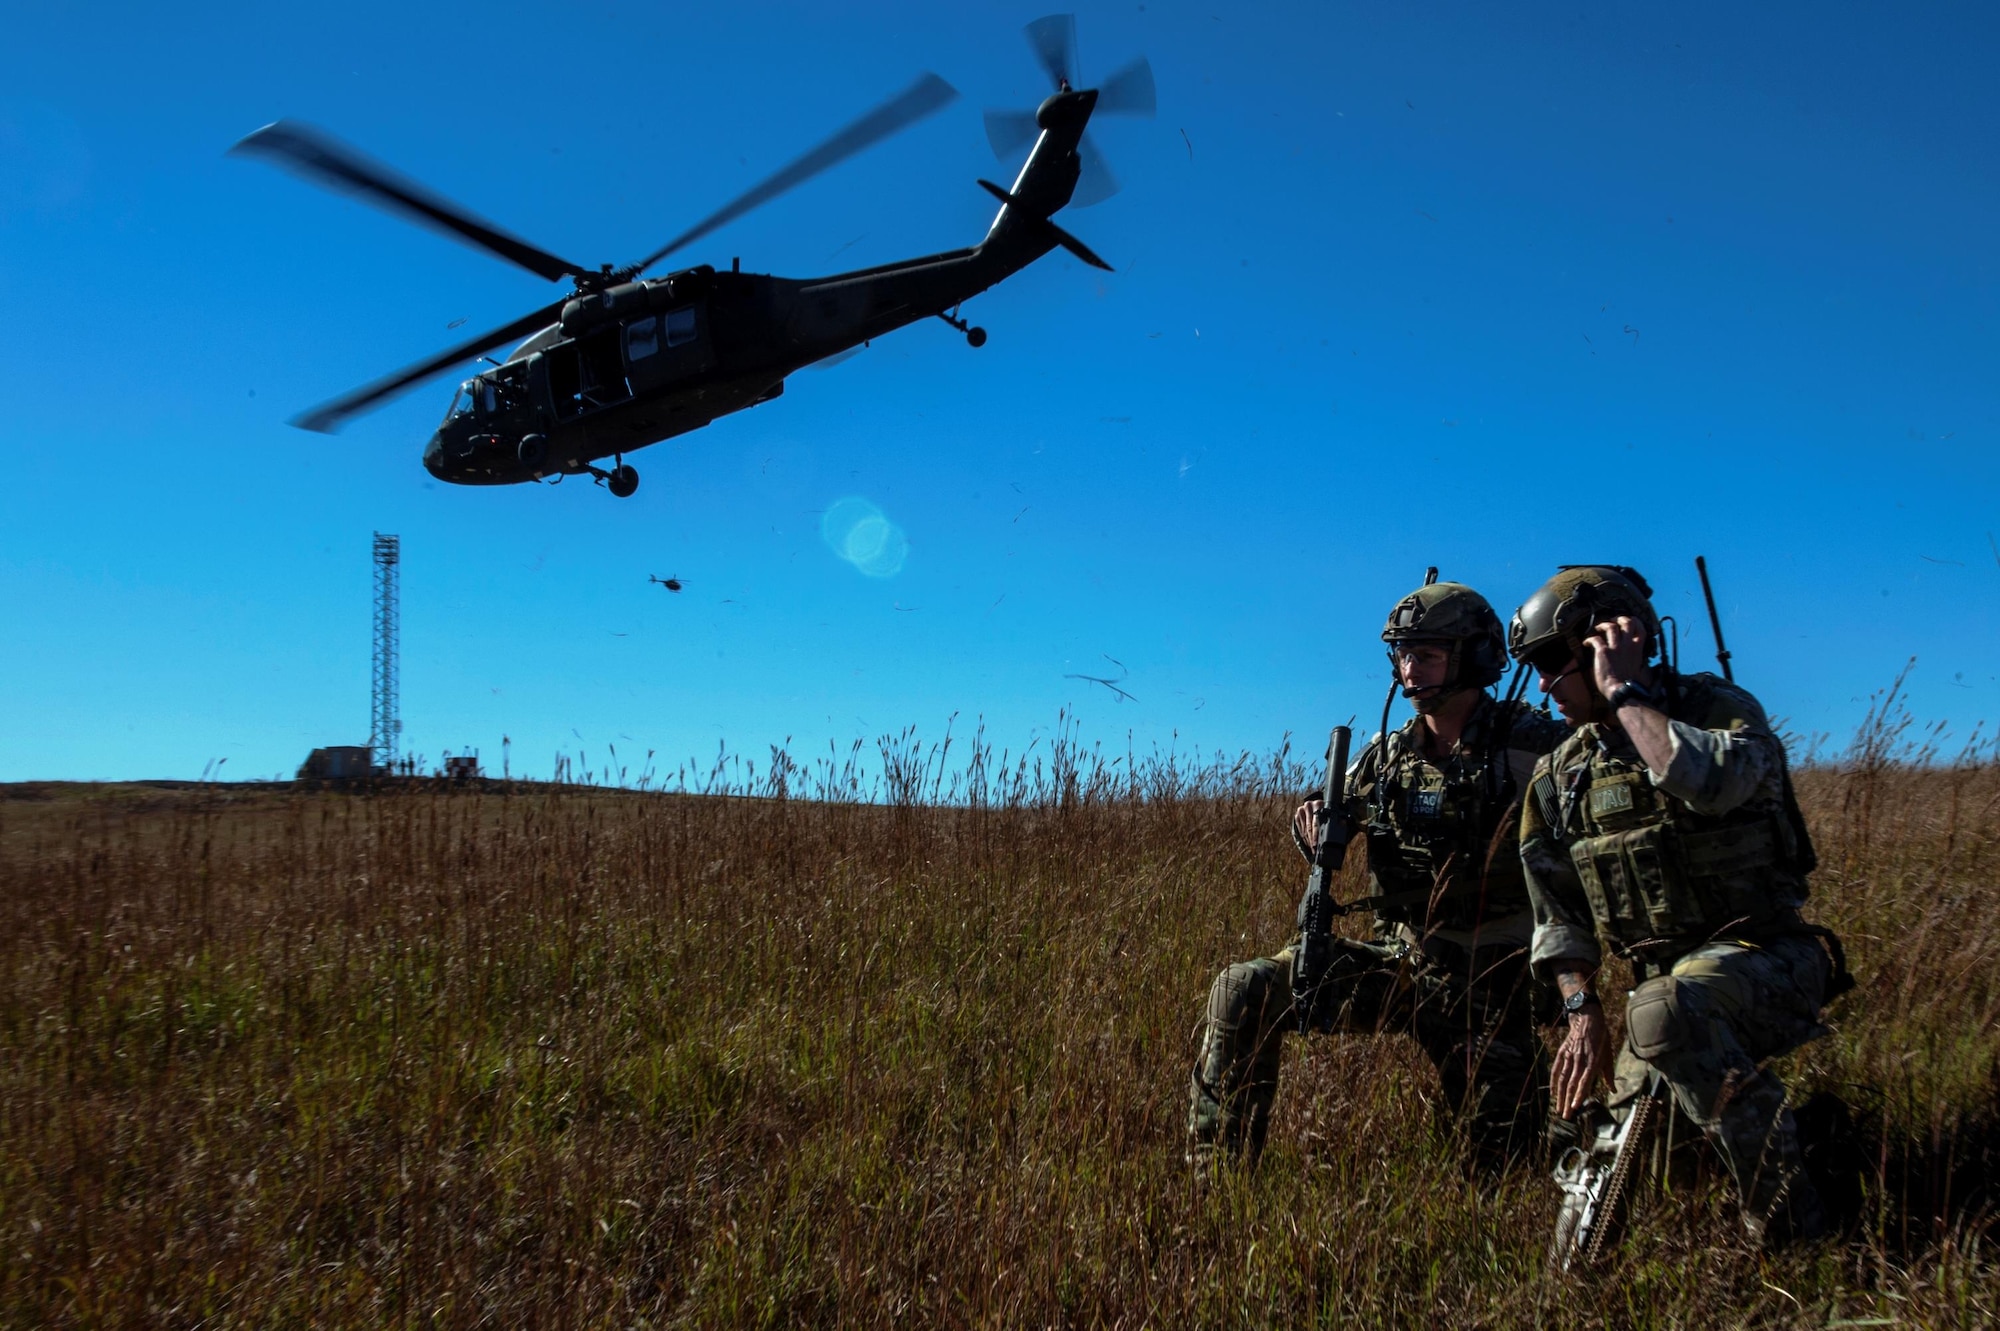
pixel 920 99
pixel 1054 42
pixel 319 156
pixel 1010 131
pixel 330 416
pixel 1130 91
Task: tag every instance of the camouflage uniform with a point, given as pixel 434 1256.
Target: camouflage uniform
pixel 1448 965
pixel 1695 874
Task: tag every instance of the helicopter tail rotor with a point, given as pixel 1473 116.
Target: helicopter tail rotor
pixel 1010 131
pixel 1053 40
pixel 1129 91
pixel 1094 181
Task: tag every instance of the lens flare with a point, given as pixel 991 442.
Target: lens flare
pixel 856 530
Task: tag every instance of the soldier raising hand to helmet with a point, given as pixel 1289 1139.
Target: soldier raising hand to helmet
pixel 1447 966
pixel 1664 824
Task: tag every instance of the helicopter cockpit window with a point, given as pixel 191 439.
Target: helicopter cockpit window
pixel 680 326
pixel 461 402
pixel 642 338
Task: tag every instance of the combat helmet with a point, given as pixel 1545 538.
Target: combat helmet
pixel 1454 616
pixel 1566 609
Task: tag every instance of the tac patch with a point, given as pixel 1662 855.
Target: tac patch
pixel 1610 799
pixel 1426 803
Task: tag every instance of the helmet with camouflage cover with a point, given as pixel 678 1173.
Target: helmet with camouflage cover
pixel 1566 610
pixel 1453 616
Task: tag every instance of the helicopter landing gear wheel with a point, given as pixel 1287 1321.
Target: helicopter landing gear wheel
pixel 622 481
pixel 533 451
pixel 975 337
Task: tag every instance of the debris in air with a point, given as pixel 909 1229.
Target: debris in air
pixel 1111 684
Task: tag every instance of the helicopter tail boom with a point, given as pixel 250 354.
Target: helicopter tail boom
pixel 1049 229
pixel 832 313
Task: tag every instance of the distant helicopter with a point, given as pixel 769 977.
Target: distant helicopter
pixel 621 362
pixel 671 584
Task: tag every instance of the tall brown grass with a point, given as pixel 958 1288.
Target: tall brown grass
pixel 896 1042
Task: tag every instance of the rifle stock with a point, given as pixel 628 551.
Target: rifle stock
pixel 1318 907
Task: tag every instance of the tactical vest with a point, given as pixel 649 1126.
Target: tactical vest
pixel 1654 870
pixel 1430 830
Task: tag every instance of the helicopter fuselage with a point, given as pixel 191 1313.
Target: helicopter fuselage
pixel 642 361
pixel 646 361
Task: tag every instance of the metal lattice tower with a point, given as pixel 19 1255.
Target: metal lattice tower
pixel 384 725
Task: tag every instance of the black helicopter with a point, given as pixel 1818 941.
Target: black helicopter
pixel 623 362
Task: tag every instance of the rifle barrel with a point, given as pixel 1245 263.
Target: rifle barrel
pixel 1714 620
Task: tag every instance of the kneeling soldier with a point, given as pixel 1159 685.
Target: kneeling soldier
pixel 1665 824
pixel 1436 802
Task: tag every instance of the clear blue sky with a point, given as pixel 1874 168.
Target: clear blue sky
pixel 1492 288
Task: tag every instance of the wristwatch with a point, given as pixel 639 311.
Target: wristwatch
pixel 1632 691
pixel 1578 1001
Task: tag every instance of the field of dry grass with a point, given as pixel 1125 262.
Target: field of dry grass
pixel 534 1055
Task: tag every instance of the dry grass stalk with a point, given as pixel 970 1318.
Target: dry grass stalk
pixel 560 1056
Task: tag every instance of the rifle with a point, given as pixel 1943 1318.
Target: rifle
pixel 1318 907
pixel 1596 1180
pixel 1714 620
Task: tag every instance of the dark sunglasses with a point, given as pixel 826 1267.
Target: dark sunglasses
pixel 1551 659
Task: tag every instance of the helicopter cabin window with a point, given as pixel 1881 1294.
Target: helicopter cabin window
pixel 485 396
pixel 461 402
pixel 642 338
pixel 680 326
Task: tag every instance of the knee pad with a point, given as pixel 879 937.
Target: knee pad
pixel 1661 1020
pixel 1240 990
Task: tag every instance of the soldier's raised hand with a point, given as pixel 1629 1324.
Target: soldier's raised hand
pixel 1305 822
pixel 1618 653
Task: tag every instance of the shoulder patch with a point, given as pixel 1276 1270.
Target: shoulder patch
pixel 1543 788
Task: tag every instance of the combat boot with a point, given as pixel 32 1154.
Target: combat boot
pixel 1781 1207
pixel 1792 1215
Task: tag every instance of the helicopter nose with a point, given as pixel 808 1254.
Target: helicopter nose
pixel 434 456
